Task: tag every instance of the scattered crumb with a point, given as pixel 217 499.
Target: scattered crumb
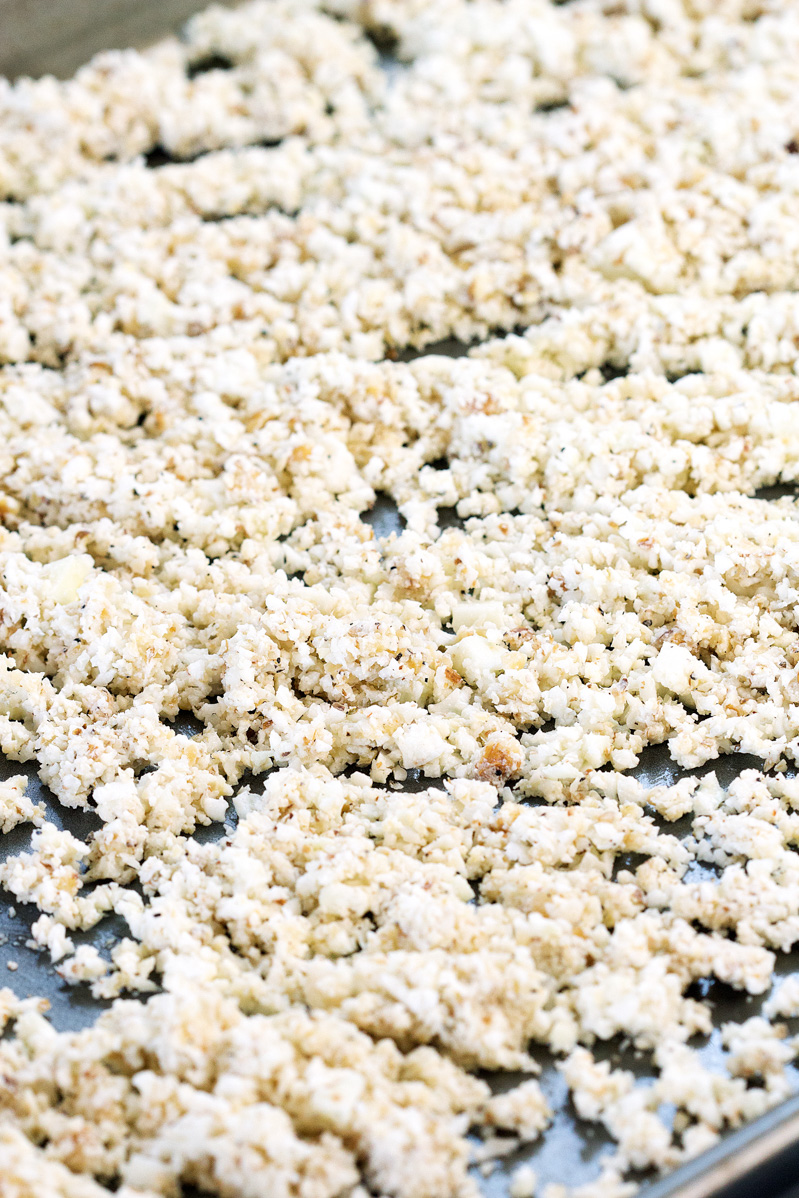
pixel 523 1182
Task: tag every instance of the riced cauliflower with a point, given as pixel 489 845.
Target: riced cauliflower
pixel 227 265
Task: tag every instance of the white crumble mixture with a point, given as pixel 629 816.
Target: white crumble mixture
pixel 16 807
pixel 433 858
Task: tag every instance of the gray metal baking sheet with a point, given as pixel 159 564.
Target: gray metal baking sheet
pixel 38 36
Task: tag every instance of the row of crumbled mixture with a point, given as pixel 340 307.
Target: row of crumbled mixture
pixel 450 196
pixel 194 426
pixel 330 984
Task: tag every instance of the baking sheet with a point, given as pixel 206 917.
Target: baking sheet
pixel 57 35
pixel 39 37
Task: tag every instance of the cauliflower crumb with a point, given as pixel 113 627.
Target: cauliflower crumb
pixel 85 965
pixel 784 1002
pixel 523 1110
pixel 16 807
pixel 523 1182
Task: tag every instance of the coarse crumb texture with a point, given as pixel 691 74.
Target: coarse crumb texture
pixel 366 806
